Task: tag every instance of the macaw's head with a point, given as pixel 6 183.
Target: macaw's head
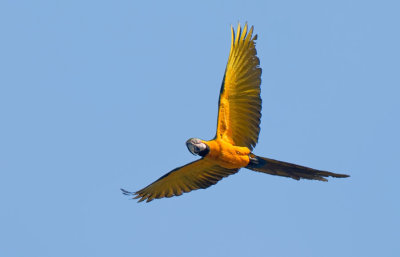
pixel 197 147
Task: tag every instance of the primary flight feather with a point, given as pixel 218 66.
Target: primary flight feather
pixel 238 127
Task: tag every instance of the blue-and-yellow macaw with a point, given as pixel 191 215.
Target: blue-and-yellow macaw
pixel 238 127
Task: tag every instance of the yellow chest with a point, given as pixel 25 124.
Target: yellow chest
pixel 227 155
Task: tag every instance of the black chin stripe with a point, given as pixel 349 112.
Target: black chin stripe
pixel 205 151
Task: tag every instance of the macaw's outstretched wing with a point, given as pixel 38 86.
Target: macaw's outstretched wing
pixel 239 101
pixel 195 175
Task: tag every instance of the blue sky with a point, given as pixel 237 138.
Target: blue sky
pixel 99 95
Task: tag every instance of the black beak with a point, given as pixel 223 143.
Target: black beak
pixel 191 148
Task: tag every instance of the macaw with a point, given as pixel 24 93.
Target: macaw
pixel 238 127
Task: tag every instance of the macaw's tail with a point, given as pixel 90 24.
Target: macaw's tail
pixel 290 170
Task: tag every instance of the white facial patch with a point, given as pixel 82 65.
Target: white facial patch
pixel 201 146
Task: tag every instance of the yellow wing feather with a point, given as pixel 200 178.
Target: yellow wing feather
pixel 195 175
pixel 239 111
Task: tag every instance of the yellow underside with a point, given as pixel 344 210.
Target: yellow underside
pixel 227 155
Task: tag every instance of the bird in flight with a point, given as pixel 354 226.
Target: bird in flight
pixel 238 127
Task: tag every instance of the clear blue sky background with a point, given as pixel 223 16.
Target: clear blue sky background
pixel 99 95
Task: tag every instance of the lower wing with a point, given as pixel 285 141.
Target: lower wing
pixel 195 175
